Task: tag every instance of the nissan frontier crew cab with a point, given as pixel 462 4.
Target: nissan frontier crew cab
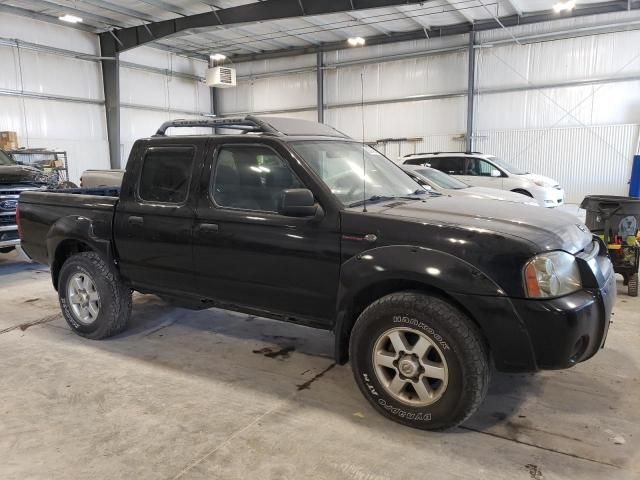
pixel 292 220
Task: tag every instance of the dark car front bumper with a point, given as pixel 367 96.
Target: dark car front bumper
pixel 568 330
pixel 528 335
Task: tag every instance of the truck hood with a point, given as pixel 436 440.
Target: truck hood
pixel 17 174
pixel 546 181
pixel 546 229
pixel 494 194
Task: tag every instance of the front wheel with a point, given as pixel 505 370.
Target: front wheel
pixel 419 360
pixel 93 299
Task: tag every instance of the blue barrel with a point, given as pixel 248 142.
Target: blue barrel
pixel 634 187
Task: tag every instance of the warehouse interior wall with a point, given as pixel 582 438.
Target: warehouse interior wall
pixel 156 86
pixel 552 105
pixel 53 100
pixel 51 91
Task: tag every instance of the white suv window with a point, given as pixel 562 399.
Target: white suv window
pixel 479 167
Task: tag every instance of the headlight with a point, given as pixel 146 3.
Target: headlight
pixel 551 275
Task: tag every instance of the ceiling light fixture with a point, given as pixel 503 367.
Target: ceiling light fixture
pixel 564 6
pixel 217 57
pixel 356 41
pixel 70 18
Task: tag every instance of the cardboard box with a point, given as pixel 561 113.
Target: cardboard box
pixel 8 140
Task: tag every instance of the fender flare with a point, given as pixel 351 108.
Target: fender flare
pixel 77 228
pixel 427 267
pixel 434 268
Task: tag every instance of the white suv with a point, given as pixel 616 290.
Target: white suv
pixel 483 170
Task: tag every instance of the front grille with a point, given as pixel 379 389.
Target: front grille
pixel 6 236
pixel 7 220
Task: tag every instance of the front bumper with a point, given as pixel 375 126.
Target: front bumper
pixel 527 335
pixel 548 196
pixel 9 236
pixel 568 330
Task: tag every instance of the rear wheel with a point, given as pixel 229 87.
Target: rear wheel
pixel 633 285
pixel 419 360
pixel 93 299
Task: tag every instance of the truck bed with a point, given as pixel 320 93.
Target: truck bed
pixel 46 214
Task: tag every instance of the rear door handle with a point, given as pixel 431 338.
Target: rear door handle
pixel 209 228
pixel 133 220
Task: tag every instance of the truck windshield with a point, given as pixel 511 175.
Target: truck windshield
pixel 354 175
pixel 441 179
pixel 5 159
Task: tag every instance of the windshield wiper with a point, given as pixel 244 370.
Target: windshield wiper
pixel 372 199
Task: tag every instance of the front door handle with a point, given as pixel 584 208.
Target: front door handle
pixel 209 228
pixel 134 220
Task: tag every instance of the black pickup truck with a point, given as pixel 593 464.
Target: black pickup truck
pixel 292 220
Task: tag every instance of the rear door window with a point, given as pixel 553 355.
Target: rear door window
pixel 166 174
pixel 479 167
pixel 448 165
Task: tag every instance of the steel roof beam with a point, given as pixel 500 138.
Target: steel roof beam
pixel 515 5
pixel 252 12
pixel 464 15
pixel 460 28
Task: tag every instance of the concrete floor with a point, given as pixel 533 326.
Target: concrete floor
pixel 217 395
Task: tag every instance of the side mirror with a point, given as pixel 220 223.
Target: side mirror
pixel 496 173
pixel 297 202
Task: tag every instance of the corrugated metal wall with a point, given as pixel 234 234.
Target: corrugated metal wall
pixel 79 126
pixel 151 97
pixel 584 160
pixel 69 112
pixel 566 107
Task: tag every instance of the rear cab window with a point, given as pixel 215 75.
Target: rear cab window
pixel 166 174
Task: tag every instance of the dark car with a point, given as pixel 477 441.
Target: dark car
pixel 14 179
pixel 294 221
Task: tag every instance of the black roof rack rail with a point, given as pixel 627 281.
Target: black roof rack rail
pixel 246 124
pixel 438 153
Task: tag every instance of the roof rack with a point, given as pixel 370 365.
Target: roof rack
pixel 438 153
pixel 246 124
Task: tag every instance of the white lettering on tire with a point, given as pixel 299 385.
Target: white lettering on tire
pixel 421 417
pixel 418 324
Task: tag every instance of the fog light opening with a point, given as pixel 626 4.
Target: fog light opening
pixel 579 348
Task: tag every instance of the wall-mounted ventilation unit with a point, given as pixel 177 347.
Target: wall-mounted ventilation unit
pixel 221 77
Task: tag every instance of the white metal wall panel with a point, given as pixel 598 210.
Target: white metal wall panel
pixel 43 33
pixel 414 46
pixel 139 123
pixel 582 58
pixel 152 57
pixel 272 93
pixel 79 129
pixel 400 120
pixel 395 150
pixel 585 161
pixel 260 67
pixel 557 107
pixel 398 79
pixel 49 74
